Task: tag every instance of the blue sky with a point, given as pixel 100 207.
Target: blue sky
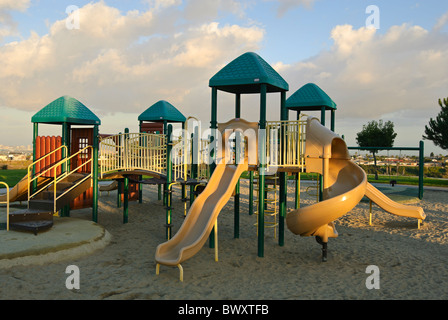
pixel 296 34
pixel 129 54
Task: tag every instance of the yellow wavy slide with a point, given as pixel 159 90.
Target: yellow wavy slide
pixel 393 207
pixel 344 185
pixel 201 216
pixel 204 211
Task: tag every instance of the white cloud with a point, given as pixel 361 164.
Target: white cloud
pixel 8 27
pixel 371 74
pixel 286 5
pixel 121 61
pixel 348 41
pixel 443 20
pixel 400 74
pixel 160 4
pixel 20 5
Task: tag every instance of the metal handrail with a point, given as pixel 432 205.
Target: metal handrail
pixel 66 174
pixel 55 179
pixel 7 204
pixel 40 174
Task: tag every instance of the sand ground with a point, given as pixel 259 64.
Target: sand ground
pixel 412 262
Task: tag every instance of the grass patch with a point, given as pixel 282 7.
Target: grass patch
pixel 11 177
pixel 432 182
pixel 405 180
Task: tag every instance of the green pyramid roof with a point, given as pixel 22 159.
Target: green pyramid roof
pixel 66 109
pixel 246 73
pixel 310 97
pixel 162 111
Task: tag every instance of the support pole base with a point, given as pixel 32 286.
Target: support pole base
pixel 181 271
pixel 324 248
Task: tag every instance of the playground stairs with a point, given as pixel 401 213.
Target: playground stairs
pixel 42 207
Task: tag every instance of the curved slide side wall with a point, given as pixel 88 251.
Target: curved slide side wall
pixel 345 184
pixel 317 219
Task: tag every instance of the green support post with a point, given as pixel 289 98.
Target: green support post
pixel 126 187
pixel 236 206
pixel 297 195
pixel 420 169
pixel 119 194
pixel 213 127
pixel 194 162
pixel 140 186
pixel 165 186
pixel 35 135
pixel 238 105
pixel 169 178
pixel 261 168
pixel 126 200
pixel 65 211
pixel 184 186
pixel 119 181
pixel 333 119
pixel 251 193
pixel 297 180
pixel 95 174
pixel 283 178
pixel 236 198
pixel 321 178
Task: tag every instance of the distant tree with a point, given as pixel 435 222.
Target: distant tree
pixel 376 134
pixel 437 131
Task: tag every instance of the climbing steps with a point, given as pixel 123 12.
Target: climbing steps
pixel 41 208
pixel 61 188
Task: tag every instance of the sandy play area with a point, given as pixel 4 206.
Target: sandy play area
pixel 412 263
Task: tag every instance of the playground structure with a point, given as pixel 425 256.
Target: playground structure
pixel 71 167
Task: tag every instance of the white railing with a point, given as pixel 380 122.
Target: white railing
pixel 285 146
pixel 290 152
pixel 133 151
pixel 180 156
pixel 203 160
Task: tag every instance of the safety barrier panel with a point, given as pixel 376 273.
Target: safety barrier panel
pixel 133 151
pixel 285 143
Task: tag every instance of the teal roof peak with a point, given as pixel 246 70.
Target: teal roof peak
pixel 66 110
pixel 310 97
pixel 246 73
pixel 162 111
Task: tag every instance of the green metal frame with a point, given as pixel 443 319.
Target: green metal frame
pixel 249 73
pixel 420 149
pixel 68 111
